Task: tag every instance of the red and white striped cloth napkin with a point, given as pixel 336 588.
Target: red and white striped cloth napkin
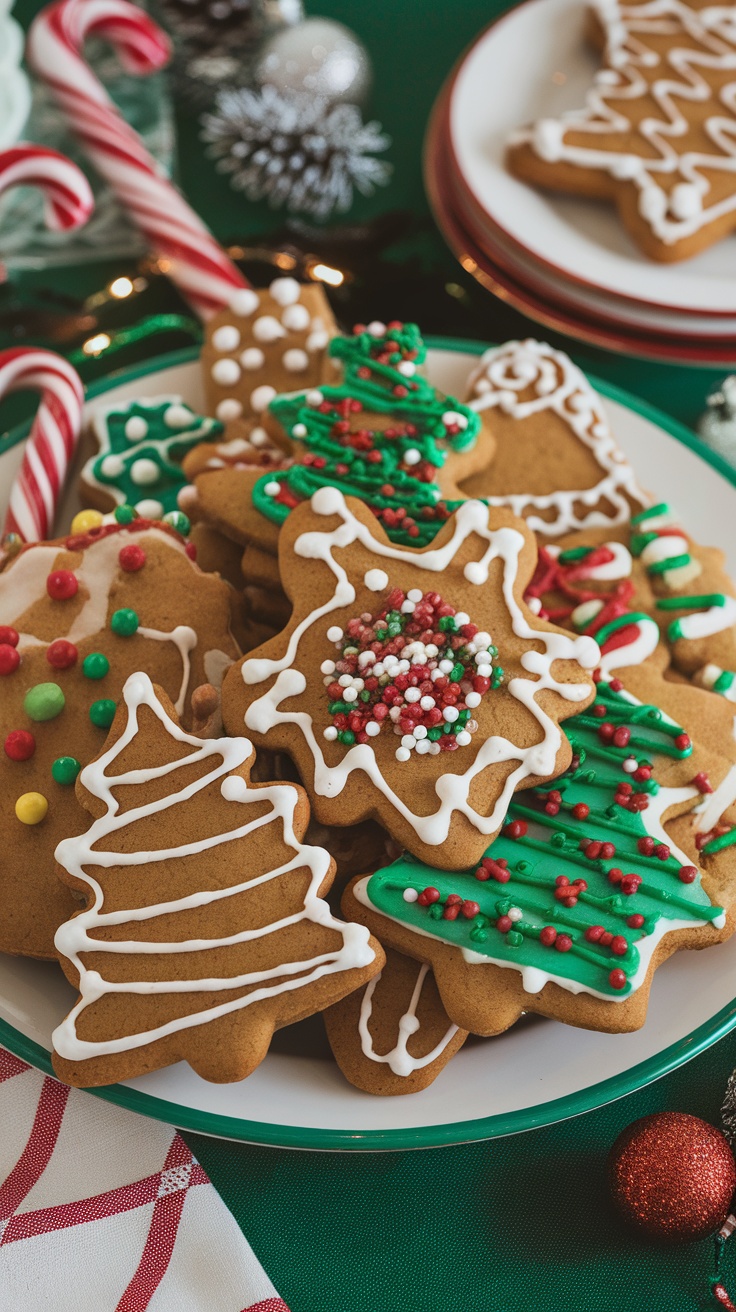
pixel 105 1211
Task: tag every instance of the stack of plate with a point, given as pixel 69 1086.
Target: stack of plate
pixel 564 261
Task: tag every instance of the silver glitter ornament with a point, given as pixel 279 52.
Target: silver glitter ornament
pixel 317 57
pixel 717 426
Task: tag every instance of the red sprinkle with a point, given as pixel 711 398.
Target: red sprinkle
pixel 20 745
pixel 617 979
pixel 131 558
pixel 62 585
pixel 61 654
pixel 635 922
pixel 428 896
pixel 451 911
pixel 580 811
pixel 470 909
pixel 9 658
pixel 662 852
pixel 563 942
pixel 8 635
pixel 594 933
pixel 688 874
pixel 645 846
pixel 517 829
pixel 615 875
pixel 682 742
pixel 547 935
pixel 702 782
pixel 619 945
pixel 504 923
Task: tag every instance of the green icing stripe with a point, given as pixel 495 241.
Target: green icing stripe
pixel 718 844
pixel 724 682
pixel 672 562
pixel 652 512
pixel 550 848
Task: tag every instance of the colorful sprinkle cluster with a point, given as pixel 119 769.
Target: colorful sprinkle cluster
pixel 393 466
pixel 575 870
pixel 418 665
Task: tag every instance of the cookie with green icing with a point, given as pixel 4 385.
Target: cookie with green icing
pixel 141 448
pixel 585 891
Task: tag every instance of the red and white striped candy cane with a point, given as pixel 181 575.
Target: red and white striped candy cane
pixel 196 263
pixel 68 200
pixel 40 481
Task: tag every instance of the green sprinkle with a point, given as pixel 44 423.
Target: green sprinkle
pixel 124 622
pixel 435 733
pixel 457 673
pixel 65 769
pixel 44 701
pixel 125 514
pixel 346 736
pixel 514 938
pixel 447 624
pixel 95 666
pixel 102 713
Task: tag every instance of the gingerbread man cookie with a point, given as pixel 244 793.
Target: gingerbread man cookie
pixel 557 463
pixel 77 616
pixel 422 709
pixel 655 135
pixel 205 927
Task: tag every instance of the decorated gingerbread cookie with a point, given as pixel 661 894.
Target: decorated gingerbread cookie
pixel 141 447
pixel 77 616
pixel 205 927
pixel 655 135
pixel 423 709
pixel 586 890
pixel 394 1036
pixel 264 343
pixel 245 445
pixel 556 463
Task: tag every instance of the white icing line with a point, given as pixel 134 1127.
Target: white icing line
pixel 399 1059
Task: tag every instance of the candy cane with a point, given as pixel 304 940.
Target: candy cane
pixel 196 263
pixel 35 494
pixel 68 200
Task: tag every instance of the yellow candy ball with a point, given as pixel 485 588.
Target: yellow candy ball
pixel 85 520
pixel 31 808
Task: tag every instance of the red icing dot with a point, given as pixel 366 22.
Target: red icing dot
pixel 62 585
pixel 20 745
pixel 9 658
pixel 617 979
pixel 61 654
pixel 131 558
pixel 8 635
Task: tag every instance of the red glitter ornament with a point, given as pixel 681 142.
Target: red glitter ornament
pixel 672 1176
pixel 62 585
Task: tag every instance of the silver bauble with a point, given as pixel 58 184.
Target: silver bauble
pixel 320 57
pixel 717 427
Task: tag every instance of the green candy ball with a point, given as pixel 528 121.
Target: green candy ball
pixel 124 623
pixel 178 520
pixel 44 702
pixel 102 713
pixel 65 769
pixel 95 666
pixel 125 514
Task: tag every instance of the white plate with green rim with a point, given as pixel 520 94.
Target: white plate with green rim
pixel 539 1071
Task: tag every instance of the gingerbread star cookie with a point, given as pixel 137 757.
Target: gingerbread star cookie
pixel 655 135
pixel 421 708
pixel 556 462
pixel 596 878
pixel 204 927
pixel 77 616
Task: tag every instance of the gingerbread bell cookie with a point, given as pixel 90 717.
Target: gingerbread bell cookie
pixel 394 1036
pixel 586 890
pixel 77 617
pixel 556 461
pixel 205 927
pixel 655 135
pixel 421 708
pixel 263 343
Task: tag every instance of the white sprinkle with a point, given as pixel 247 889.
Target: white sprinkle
pixel 376 579
pixel 407 368
pixel 407 608
pixel 485 671
pixel 452 417
pixel 450 714
pixel 408 741
pixel 253 358
pixel 376 328
pixel 314 398
pixel 434 749
pixel 482 640
pixel 414 594
pixel 299 431
pixel 462 738
pixel 317 340
pixel 350 694
pixel 420 731
pixel 327 667
pixel 334 633
pixel 272 489
pixel 461 618
pixel 427 703
pixel 366 658
pixel 412 456
pixel 395 713
pixel 226 337
pixel 446 667
pixel 630 765
pixel 431 650
pixel 472 699
pixel 410 895
pixel 534 604
pixel 412 695
pixel 112 466
pixel 149 509
pixel 330 733
pixel 402 754
pixel 372 728
pixel 515 914
pixel 423 746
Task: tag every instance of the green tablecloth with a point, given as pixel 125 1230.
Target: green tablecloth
pixel 521 1223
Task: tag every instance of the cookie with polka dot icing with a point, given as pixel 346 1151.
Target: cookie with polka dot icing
pixel 141 449
pixel 77 616
pixel 412 686
pixel 596 878
pixel 655 134
pixel 393 1036
pixel 263 343
pixel 204 927
pixel 556 461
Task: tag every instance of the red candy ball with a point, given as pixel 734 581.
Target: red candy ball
pixel 131 558
pixel 62 585
pixel 9 658
pixel 61 654
pixel 617 978
pixel 8 635
pixel 20 745
pixel 548 935
pixel 672 1176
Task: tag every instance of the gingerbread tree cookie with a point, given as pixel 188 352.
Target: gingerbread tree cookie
pixel 585 891
pixel 550 428
pixel 142 445
pixel 205 927
pixel 265 342
pixel 394 1036
pixel 422 709
pixel 77 616
pixel 656 133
